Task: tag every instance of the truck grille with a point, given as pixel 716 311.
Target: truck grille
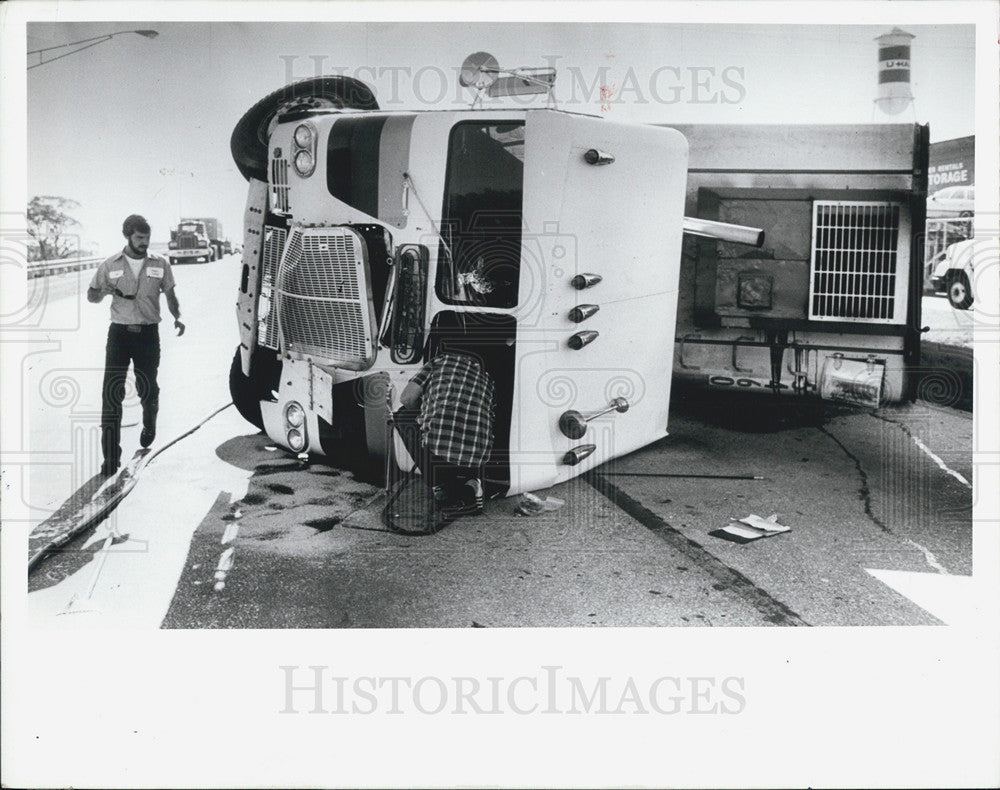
pixel 274 245
pixel 854 261
pixel 279 183
pixel 324 299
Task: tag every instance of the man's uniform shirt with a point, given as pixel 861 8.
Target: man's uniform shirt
pixel 155 276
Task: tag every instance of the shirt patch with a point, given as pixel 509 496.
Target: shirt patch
pixel 154 271
pixel 116 275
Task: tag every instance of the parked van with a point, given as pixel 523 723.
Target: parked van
pixel 964 268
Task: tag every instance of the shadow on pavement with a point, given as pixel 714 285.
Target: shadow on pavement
pixel 945 376
pixel 752 412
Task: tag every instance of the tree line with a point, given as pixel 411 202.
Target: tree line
pixel 52 228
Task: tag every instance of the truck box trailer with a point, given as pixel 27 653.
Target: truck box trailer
pixel 830 305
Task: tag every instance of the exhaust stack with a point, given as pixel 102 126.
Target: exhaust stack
pixel 724 231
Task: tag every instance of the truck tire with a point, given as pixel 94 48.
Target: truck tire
pixel 959 292
pixel 248 391
pixel 249 142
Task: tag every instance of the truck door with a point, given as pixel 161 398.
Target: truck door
pixel 607 199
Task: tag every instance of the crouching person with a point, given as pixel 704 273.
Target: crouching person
pixel 446 423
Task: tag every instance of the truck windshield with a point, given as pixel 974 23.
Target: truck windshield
pixel 192 228
pixel 352 157
pixel 480 254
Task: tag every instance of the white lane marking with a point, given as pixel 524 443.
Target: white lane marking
pixel 949 598
pixel 225 565
pixel 928 555
pixel 232 529
pixel 944 467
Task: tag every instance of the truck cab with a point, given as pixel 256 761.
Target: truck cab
pixel 523 236
pixel 550 244
pixel 190 243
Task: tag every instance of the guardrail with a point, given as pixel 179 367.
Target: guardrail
pixel 45 268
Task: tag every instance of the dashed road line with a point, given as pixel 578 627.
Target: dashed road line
pixel 865 492
pixel 941 464
pixel 927 451
pixel 222 569
pixel 928 555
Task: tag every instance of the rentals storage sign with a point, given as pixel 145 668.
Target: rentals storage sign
pixel 952 163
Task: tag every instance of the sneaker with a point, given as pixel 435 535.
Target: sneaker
pixel 146 437
pixel 469 501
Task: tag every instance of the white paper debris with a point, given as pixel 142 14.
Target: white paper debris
pixel 769 525
pixel 751 527
pixel 530 505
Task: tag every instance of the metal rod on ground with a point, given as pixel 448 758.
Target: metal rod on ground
pixel 105 550
pixel 73 605
pixel 669 474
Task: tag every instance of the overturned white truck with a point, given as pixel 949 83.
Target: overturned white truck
pixel 550 244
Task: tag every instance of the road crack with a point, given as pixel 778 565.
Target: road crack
pixel 864 491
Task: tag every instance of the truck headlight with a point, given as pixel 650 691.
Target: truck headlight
pixel 304 136
pixel 295 415
pixel 296 440
pixel 304 163
pixel 172 245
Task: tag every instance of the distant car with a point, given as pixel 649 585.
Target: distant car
pixel 952 202
pixel 967 266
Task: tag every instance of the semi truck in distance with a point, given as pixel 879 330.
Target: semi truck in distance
pixel 197 239
pixel 587 262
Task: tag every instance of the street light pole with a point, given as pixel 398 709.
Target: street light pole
pixel 90 42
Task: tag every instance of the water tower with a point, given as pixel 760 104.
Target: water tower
pixel 894 93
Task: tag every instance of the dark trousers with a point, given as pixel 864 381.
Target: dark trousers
pixel 141 348
pixel 436 470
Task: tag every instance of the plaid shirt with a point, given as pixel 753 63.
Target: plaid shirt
pixel 456 409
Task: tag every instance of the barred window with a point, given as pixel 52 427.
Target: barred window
pixel 858 271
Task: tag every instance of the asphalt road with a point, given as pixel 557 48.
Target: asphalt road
pixel 633 545
pixel 626 549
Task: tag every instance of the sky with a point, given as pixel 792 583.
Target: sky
pixel 143 125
